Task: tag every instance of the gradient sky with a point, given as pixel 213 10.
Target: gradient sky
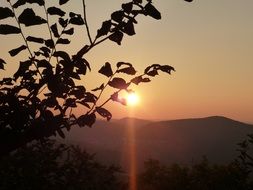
pixel 209 42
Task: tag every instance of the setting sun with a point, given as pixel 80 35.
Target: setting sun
pixel 132 99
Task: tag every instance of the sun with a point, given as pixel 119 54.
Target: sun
pixel 132 99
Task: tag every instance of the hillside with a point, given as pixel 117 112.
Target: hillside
pixel 182 141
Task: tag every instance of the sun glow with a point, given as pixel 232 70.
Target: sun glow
pixel 132 99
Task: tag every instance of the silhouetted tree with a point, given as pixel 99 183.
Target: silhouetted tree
pixel 200 176
pixel 50 165
pixel 37 101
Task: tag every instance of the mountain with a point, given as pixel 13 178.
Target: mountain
pixel 181 141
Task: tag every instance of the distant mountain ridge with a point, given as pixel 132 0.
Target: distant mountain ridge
pixel 182 141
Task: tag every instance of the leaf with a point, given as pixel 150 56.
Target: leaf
pixel 44 63
pixel 139 79
pixel 89 97
pixel 105 29
pixel 117 16
pixel 106 70
pixel 70 102
pixel 117 37
pixel 28 18
pixel 104 113
pixel 49 43
pixel 23 67
pixel 34 39
pixel 8 29
pixel 129 28
pixel 2 62
pixel 127 7
pixel 55 11
pixel 76 19
pixel 63 55
pixel 63 41
pixel 86 120
pixel 5 12
pixel 115 97
pixel 167 68
pixel 63 22
pixel 118 83
pixel 61 2
pixel 137 1
pixel 55 30
pixel 152 73
pixel 119 64
pixel 152 11
pixel 188 0
pixel 128 70
pixel 99 88
pixel 69 31
pixel 22 2
pixel 16 51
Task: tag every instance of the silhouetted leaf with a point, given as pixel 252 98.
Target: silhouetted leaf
pixel 104 113
pixel 23 67
pixel 76 19
pixel 86 120
pixel 79 92
pixel 70 102
pixel 167 68
pixel 127 7
pixel 28 18
pixel 140 79
pixel 117 16
pixel 34 39
pixel 117 37
pixel 105 29
pixel 55 30
pixel 55 11
pixel 49 43
pixel 45 51
pixel 89 97
pixel 99 88
pixel 14 52
pixel 63 41
pixel 188 0
pixel 61 2
pixel 129 28
pixel 63 22
pixel 119 64
pixel 75 75
pixel 106 70
pixel 69 31
pixel 118 83
pixel 8 29
pixel 22 2
pixel 44 63
pixel 63 55
pixel 128 70
pixel 83 102
pixel 115 97
pixel 152 11
pixel 5 12
pixel 2 62
pixel 152 73
pixel 137 1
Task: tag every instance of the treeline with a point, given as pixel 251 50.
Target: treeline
pixel 52 166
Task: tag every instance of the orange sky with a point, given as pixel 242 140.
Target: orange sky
pixel 210 44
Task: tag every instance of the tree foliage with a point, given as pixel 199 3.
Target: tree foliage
pixel 50 165
pixel 37 101
pixel 200 176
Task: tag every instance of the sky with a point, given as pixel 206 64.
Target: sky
pixel 209 43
